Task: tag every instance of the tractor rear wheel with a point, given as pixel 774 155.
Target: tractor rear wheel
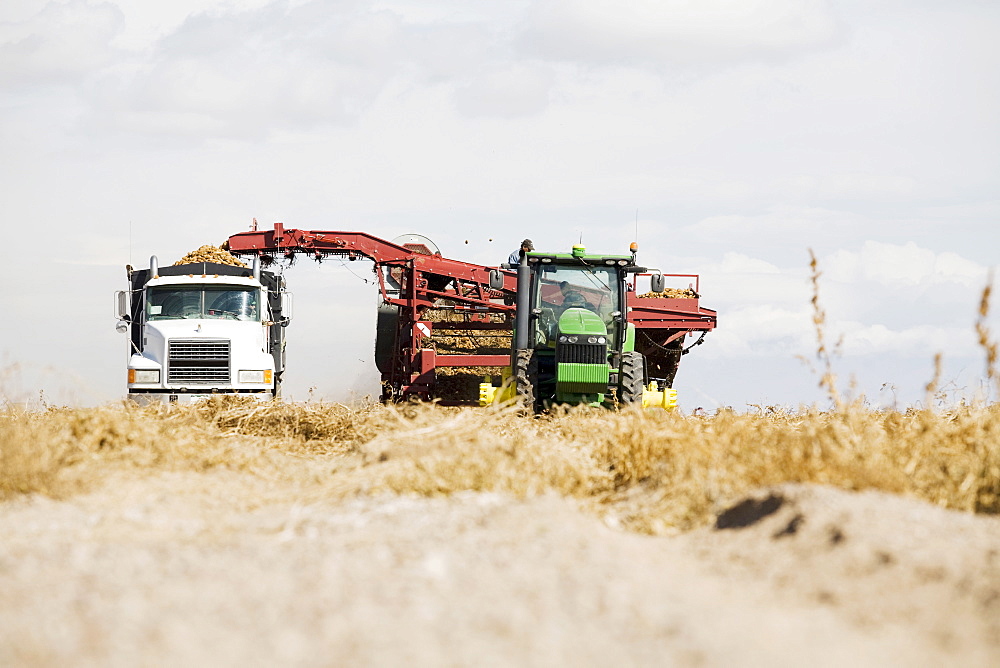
pixel 526 376
pixel 632 378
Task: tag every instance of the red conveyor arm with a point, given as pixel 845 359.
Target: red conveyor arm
pixel 321 243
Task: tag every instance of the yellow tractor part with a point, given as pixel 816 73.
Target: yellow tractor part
pixel 653 397
pixel 488 394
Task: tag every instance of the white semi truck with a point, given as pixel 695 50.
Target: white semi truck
pixel 203 328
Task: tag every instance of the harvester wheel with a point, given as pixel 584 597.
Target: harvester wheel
pixel 632 378
pixel 386 329
pixel 526 376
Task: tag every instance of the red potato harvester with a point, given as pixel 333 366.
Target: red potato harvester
pixel 417 285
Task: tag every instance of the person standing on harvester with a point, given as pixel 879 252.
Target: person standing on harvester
pixel 515 257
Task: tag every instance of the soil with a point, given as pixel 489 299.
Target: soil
pixel 226 569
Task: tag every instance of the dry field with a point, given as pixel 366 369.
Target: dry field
pixel 645 471
pixel 238 533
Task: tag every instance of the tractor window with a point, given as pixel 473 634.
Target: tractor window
pixel 202 301
pixel 591 288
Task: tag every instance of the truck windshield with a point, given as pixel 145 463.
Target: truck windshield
pixel 202 301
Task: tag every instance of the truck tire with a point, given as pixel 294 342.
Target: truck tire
pixel 632 378
pixel 526 377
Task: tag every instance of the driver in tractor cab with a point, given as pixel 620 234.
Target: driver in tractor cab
pixel 574 299
pixel 548 324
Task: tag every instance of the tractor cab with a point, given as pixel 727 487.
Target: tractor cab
pixel 572 342
pixel 558 288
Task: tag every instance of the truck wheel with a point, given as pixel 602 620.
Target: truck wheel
pixel 632 378
pixel 526 376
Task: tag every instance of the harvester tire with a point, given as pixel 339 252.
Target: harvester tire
pixel 632 378
pixel 526 376
pixel 386 329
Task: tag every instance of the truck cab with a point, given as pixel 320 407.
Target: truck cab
pixel 201 329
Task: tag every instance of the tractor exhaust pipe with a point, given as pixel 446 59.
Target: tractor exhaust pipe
pixel 154 267
pixel 256 268
pixel 523 303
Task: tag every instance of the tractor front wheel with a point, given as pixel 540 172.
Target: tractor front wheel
pixel 526 376
pixel 632 378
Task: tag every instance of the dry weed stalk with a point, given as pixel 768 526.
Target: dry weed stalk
pixel 828 380
pixel 985 338
pixel 934 384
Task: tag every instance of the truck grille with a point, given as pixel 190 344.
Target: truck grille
pixel 199 361
pixel 582 353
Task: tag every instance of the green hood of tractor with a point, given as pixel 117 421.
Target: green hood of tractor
pixel 581 382
pixel 581 321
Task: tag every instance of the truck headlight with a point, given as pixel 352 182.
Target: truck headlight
pixel 143 375
pixel 255 376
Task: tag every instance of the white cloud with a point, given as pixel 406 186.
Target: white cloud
pixel 767 330
pixel 251 73
pixel 738 263
pixel 762 330
pixel 509 90
pixel 899 300
pixel 902 266
pixel 677 31
pixel 782 226
pixel 62 43
pixel 865 185
pixel 919 342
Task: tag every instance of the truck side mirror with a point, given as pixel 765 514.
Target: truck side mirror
pixel 286 306
pixel 656 283
pixel 121 298
pixel 496 279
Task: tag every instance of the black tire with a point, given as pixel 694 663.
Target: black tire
pixel 632 379
pixel 526 377
pixel 386 327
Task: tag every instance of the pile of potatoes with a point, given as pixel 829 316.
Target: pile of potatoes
pixel 210 254
pixel 671 293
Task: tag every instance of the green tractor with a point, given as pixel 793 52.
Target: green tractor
pixel 572 342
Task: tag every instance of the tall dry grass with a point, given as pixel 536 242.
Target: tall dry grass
pixel 647 471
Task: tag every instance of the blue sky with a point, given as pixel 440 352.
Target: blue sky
pixel 735 136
